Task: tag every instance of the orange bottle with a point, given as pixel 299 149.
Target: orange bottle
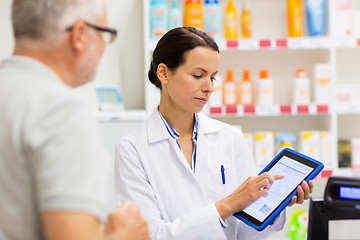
pixel 231 21
pixel 246 89
pixel 246 20
pixel 193 14
pixel 229 89
pixel 294 18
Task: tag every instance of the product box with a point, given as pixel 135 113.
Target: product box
pixel 264 148
pixel 344 153
pixel 355 156
pixel 347 97
pixel 309 144
pixel 323 84
pixel 343 18
pixel 326 149
pixel 249 137
pixel 344 94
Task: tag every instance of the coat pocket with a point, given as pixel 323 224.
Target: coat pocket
pixel 225 180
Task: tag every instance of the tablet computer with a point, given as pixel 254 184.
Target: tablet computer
pixel 296 167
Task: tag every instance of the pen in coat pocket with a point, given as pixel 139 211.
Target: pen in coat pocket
pixel 223 174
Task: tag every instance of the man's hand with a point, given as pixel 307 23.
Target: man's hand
pixel 126 223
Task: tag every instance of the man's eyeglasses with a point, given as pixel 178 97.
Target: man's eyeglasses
pixel 108 33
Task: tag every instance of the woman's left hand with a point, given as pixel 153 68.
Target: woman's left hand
pixel 304 192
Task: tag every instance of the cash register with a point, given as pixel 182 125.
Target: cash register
pixel 341 202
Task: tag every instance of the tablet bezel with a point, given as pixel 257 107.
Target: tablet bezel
pixel 314 164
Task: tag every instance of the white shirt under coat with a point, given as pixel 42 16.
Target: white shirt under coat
pixel 177 202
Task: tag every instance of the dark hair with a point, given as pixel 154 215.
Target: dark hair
pixel 173 45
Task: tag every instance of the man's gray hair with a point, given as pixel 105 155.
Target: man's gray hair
pixel 46 19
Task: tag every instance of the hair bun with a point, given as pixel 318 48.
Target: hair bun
pixel 153 77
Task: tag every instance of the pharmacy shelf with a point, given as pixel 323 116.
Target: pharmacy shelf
pixel 283 109
pixel 271 49
pixel 348 109
pixel 119 116
pixel 269 110
pixel 303 43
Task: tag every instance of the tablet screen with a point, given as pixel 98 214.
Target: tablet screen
pixel 296 167
pixel 295 172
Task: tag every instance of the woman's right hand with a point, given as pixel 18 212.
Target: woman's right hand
pixel 248 192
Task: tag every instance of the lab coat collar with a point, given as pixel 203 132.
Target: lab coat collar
pixel 157 132
pixel 206 126
pixel 155 128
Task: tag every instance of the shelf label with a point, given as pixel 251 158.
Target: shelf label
pixel 322 109
pixel 265 110
pixel 358 42
pixel 285 109
pixel 249 44
pixel 265 43
pixel 231 109
pixel 281 43
pixel 326 173
pixel 215 110
pixel 294 43
pixel 346 42
pixel 303 109
pixel 232 43
pixel 249 109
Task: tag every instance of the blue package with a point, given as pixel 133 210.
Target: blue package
pixel 297 168
pixel 315 12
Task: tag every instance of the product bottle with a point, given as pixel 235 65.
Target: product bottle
pixel 175 16
pixel 193 14
pixel 284 140
pixel 315 12
pixel 298 225
pixel 246 89
pixel 246 20
pixel 265 89
pixel 216 99
pixel 212 18
pixel 158 18
pixel 356 17
pixel 301 88
pixel 294 18
pixel 229 89
pixel 231 22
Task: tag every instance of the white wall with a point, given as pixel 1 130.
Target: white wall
pixel 122 62
pixel 6 38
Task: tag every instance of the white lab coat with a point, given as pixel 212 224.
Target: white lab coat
pixel 151 170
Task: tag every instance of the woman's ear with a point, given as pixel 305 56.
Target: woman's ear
pixel 162 73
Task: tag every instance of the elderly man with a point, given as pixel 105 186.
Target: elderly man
pixel 54 173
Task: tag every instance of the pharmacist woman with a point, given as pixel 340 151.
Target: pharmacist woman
pixel 172 165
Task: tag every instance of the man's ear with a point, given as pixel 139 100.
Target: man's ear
pixel 162 73
pixel 78 37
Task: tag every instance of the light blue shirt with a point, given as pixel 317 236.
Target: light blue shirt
pixel 175 135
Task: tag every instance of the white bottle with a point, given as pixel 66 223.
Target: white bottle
pixel 216 98
pixel 265 88
pixel 301 88
pixel 175 16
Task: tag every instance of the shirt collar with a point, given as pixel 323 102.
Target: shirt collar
pixel 31 66
pixel 173 132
